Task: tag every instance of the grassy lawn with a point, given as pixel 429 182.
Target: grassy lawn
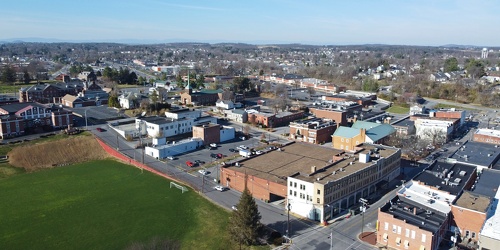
pixel 104 205
pixel 398 110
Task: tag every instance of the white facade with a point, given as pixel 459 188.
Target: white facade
pixel 489 235
pixel 427 129
pixel 176 148
pixel 226 133
pixel 164 127
pixel 300 197
pixel 224 104
pixel 183 114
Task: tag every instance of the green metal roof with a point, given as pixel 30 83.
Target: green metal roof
pixel 346 132
pixel 365 125
pixel 380 132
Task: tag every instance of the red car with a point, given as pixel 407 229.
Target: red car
pixel 189 164
pixel 99 129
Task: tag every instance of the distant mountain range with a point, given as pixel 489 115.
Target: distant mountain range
pixel 151 41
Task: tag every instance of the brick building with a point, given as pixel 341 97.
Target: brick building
pixel 469 213
pixel 271 120
pixel 338 116
pixel 209 133
pixel 45 93
pixel 419 216
pixel 314 130
pixel 18 118
pixel 487 136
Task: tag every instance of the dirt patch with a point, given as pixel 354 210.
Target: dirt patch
pixel 56 153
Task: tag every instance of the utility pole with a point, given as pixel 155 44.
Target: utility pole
pixel 288 220
pixel 331 240
pixel 363 209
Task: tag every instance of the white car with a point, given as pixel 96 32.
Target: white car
pixel 203 172
pixel 233 207
pixel 213 145
pixel 242 147
pixel 220 188
pixel 258 152
pixel 170 158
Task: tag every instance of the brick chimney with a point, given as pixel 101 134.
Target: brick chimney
pixel 415 210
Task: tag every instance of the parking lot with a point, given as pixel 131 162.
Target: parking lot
pixel 208 162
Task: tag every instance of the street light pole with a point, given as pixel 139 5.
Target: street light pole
pixel 288 220
pixel 363 209
pixel 86 124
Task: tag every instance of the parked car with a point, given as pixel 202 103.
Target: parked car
pixel 213 155
pixel 232 150
pixel 213 145
pixel 100 129
pixel 243 138
pixel 258 152
pixel 199 162
pixel 220 188
pixel 219 156
pixel 203 172
pixel 189 164
pixel 233 207
pixel 171 158
pixel 241 147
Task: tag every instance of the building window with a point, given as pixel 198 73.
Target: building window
pixel 424 237
pixel 342 140
pixel 319 191
pixel 291 192
pixel 466 233
pixel 394 227
pixel 291 184
pixel 407 232
pixel 399 230
pixel 386 226
pixel 412 234
pixel 473 235
pixel 295 184
pixel 317 200
pixel 347 140
pixel 295 193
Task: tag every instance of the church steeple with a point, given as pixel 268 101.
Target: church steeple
pixel 188 86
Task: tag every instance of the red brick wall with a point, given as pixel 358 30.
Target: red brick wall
pixel 207 134
pixel 391 241
pixel 469 220
pixel 258 187
pixel 338 116
pixel 486 139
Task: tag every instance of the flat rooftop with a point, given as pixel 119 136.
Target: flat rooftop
pixel 487 183
pixel 404 123
pixel 472 201
pixel 414 214
pixel 488 132
pixel 426 196
pixel 447 177
pixel 491 227
pixel 477 153
pixel 297 159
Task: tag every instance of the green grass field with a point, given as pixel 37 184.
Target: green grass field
pixel 104 205
pixel 398 110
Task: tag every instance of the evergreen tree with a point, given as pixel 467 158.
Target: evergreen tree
pixel 245 221
pixel 8 75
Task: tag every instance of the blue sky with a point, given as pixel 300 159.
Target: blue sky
pixel 404 22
